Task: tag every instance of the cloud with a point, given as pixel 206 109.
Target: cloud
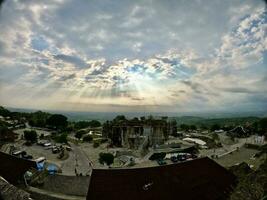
pixel 75 60
pixel 1 2
pixel 68 77
pixel 239 90
pixel 133 53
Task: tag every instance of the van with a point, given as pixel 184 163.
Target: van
pixel 40 159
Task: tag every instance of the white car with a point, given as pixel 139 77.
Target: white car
pixel 47 144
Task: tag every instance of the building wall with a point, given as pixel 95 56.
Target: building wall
pixel 70 185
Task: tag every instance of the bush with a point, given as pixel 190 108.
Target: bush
pixel 157 156
pixel 95 123
pixel 96 144
pixel 79 134
pixel 85 124
pixel 30 136
pixel 184 127
pixel 106 158
pixel 215 127
pixel 63 138
pixel 81 124
pixel 215 136
pixel 87 138
pixel 58 121
pixel 193 127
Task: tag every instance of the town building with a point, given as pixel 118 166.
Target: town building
pixel 138 133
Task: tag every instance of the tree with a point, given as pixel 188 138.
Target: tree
pixel 7 135
pixel 4 112
pixel 30 136
pixel 95 123
pixel 106 158
pixel 120 118
pixel 173 125
pixel 143 118
pixel 106 130
pixel 79 134
pixel 215 136
pixel 184 127
pixel 62 138
pixel 193 127
pixel 87 138
pixel 262 126
pixel 215 127
pixel 57 120
pixel 203 127
pixel 96 143
pixel 82 124
pixel 38 119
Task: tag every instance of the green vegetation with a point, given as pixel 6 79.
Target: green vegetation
pixel 4 124
pixel 86 124
pixel 106 158
pixel 251 184
pixel 120 118
pixel 184 127
pixel 261 126
pixel 7 135
pixel 96 143
pixel 30 136
pixel 79 134
pixel 215 137
pixel 193 127
pixel 62 138
pixel 87 138
pixel 57 121
pixel 4 112
pixel 38 119
pixel 215 127
pixel 222 122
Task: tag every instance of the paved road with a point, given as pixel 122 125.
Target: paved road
pixel 227 148
pixel 77 162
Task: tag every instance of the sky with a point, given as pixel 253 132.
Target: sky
pixel 125 55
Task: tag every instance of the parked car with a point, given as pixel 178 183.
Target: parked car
pixel 194 156
pixel 55 149
pixel 161 162
pixel 28 157
pixel 41 143
pixel 68 148
pixel 181 157
pixel 47 144
pixel 174 159
pixel 16 153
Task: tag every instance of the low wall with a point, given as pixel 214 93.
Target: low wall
pixel 70 185
pixel 13 168
pixel 252 146
pixel 46 195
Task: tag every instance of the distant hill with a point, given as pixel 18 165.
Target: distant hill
pixel 230 121
pixel 181 118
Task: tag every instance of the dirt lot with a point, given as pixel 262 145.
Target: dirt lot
pixel 243 155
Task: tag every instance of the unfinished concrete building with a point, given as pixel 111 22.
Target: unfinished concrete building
pixel 138 133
